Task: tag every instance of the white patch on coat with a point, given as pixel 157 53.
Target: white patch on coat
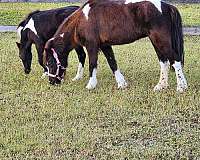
pixel 62 35
pixel 120 79
pixel 31 26
pixel 157 3
pixel 163 82
pixel 19 31
pixel 79 74
pixel 86 11
pixel 181 81
pixel 93 80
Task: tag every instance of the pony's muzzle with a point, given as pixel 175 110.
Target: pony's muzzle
pixel 54 81
pixel 27 71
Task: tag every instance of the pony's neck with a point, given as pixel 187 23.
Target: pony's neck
pixel 69 24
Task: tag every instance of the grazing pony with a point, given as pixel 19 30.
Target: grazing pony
pixel 98 24
pixel 38 28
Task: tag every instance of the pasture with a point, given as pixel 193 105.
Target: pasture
pixel 13 13
pixel 39 121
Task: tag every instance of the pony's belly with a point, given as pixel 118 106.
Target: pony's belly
pixel 118 39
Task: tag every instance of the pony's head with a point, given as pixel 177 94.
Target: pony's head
pixel 55 60
pixel 25 50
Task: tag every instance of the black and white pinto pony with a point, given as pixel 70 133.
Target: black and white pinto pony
pixel 37 28
pixel 98 24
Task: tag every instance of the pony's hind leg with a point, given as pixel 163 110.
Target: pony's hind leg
pixel 166 56
pixel 181 81
pixel 92 50
pixel 108 52
pixel 164 69
pixel 81 56
pixel 163 81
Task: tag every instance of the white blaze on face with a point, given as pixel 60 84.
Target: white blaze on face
pixel 157 3
pixel 93 80
pixel 31 26
pixel 86 11
pixel 120 79
pixel 62 35
pixel 79 74
pixel 163 82
pixel 19 31
pixel 51 39
pixel 181 81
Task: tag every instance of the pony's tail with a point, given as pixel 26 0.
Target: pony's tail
pixel 177 33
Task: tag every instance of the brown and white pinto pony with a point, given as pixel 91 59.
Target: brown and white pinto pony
pixel 37 28
pixel 98 24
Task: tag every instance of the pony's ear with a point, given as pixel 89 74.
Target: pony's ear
pixel 18 44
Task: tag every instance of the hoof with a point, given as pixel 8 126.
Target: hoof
pixel 91 84
pixel 160 87
pixel 77 78
pixel 122 85
pixel 181 89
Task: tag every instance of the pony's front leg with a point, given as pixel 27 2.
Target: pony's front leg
pixel 181 81
pixel 108 52
pixel 40 49
pixel 81 56
pixel 163 82
pixel 93 57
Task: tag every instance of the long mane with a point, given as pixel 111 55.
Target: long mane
pixel 23 23
pixel 72 19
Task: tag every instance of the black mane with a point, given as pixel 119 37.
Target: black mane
pixel 23 23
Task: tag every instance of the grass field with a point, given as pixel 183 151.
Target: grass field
pixel 13 13
pixel 39 121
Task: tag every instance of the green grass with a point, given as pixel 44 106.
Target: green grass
pixel 190 14
pixel 39 121
pixel 13 13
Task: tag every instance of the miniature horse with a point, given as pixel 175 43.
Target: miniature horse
pixel 38 28
pixel 98 24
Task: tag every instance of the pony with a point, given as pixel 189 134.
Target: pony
pixel 99 24
pixel 37 28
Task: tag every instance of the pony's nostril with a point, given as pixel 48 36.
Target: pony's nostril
pixel 52 82
pixel 58 81
pixel 27 71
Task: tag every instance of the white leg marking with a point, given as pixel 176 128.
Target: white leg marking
pixel 93 80
pixel 163 82
pixel 86 11
pixel 79 74
pixel 19 29
pixel 31 26
pixel 120 79
pixel 157 3
pixel 181 81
